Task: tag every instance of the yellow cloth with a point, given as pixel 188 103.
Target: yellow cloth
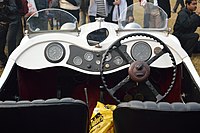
pixel 102 119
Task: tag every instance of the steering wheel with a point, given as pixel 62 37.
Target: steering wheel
pixel 138 71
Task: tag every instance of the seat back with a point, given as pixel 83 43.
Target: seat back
pixel 50 116
pixel 151 117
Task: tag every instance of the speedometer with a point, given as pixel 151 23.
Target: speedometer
pixel 141 51
pixel 54 52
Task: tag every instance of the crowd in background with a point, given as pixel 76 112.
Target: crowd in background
pixel 14 12
pixel 187 22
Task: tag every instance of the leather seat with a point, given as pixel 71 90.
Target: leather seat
pixel 151 117
pixel 44 116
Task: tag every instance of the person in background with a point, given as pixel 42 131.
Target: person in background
pixel 166 6
pixel 23 10
pixel 41 4
pixel 84 12
pixel 71 6
pixel 181 2
pixel 50 3
pixel 42 21
pixel 119 6
pixel 100 8
pixel 152 15
pixel 185 26
pixel 9 22
pixel 130 12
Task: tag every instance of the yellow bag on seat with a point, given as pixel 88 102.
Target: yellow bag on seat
pixel 102 119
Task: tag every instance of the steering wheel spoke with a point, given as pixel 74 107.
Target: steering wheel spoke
pixel 156 57
pixel 124 55
pixel 119 85
pixel 157 95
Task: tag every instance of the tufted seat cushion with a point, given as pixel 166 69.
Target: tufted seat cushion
pixel 163 117
pixel 65 115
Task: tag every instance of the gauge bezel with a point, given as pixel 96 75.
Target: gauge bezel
pixel 87 55
pixel 62 55
pixel 138 44
pixel 77 58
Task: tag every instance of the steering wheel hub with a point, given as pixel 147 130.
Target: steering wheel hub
pixel 139 71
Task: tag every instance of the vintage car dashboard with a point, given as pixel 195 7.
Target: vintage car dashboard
pixel 90 60
pixel 83 48
pixel 76 54
pixel 82 58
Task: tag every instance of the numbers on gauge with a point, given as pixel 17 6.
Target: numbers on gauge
pixel 54 52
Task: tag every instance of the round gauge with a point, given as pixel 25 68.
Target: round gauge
pixel 77 60
pixel 141 51
pixel 54 52
pixel 88 56
pixel 118 60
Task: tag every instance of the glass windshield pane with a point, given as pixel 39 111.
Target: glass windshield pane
pixel 143 16
pixel 51 19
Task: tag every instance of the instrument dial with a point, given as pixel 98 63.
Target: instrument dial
pixel 77 60
pixel 141 51
pixel 88 56
pixel 54 52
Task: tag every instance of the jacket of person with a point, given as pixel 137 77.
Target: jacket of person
pixel 165 5
pixel 70 4
pixel 24 7
pixel 67 4
pixel 92 10
pixel 8 11
pixel 118 9
pixel 129 2
pixel 41 4
pixel 186 22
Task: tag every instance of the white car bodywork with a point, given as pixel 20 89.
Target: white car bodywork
pixel 30 53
